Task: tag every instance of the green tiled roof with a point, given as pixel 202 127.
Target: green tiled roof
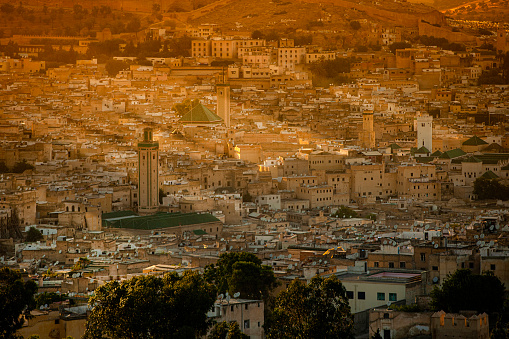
pixel 159 220
pixel 422 150
pixel 471 159
pixel 424 160
pixel 489 175
pixel 394 146
pixel 199 232
pixel 454 153
pixel 200 114
pixel 437 153
pixel 474 141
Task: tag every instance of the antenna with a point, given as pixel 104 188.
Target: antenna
pixel 236 295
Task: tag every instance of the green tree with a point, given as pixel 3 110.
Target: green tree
pixel 33 235
pixel 16 301
pixel 113 67
pixel 225 330
pixel 81 264
pixel 318 310
pixel 48 298
pixel 399 45
pixel 355 25
pixel 257 34
pixel 151 307
pixel 242 272
pixel 345 212
pixel 134 25
pixel 7 8
pixel 485 293
pixel 485 188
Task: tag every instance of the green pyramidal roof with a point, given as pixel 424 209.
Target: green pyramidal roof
pixel 489 175
pixel 422 150
pixel 201 115
pixel 475 141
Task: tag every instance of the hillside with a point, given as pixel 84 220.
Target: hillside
pixel 324 15
pixel 485 10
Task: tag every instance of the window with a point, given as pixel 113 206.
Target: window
pixel 434 268
pixel 402 264
pixel 386 316
pixel 423 256
pixel 471 265
pixel 361 295
pixel 349 294
pixel 393 296
pixel 246 323
pixel 492 267
pixel 380 296
pixel 391 265
pixel 376 264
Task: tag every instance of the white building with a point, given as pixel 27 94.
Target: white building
pixel 425 132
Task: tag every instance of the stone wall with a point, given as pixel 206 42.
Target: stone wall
pixel 441 32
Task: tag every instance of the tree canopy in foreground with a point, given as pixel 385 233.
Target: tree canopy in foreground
pixel 244 273
pixel 16 300
pixel 318 310
pixel 152 307
pixel 466 291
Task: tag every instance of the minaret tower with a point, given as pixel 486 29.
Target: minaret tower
pixel 368 131
pixel 148 174
pixel 425 132
pixel 223 102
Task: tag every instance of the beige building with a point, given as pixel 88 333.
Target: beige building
pixel 418 181
pixel 288 57
pixel 318 196
pixel 249 314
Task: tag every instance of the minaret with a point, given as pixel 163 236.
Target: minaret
pixel 223 102
pixel 148 174
pixel 425 132
pixel 368 131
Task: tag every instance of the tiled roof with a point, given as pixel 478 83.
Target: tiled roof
pixel 454 153
pixel 474 141
pixel 200 114
pixel 489 175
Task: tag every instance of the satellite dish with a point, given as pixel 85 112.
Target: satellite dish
pixel 476 236
pixel 478 243
pixel 395 227
pixel 436 245
pixel 221 296
pixel 236 295
pixel 435 280
pixel 314 263
pixel 482 235
pixel 290 266
pixel 289 256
